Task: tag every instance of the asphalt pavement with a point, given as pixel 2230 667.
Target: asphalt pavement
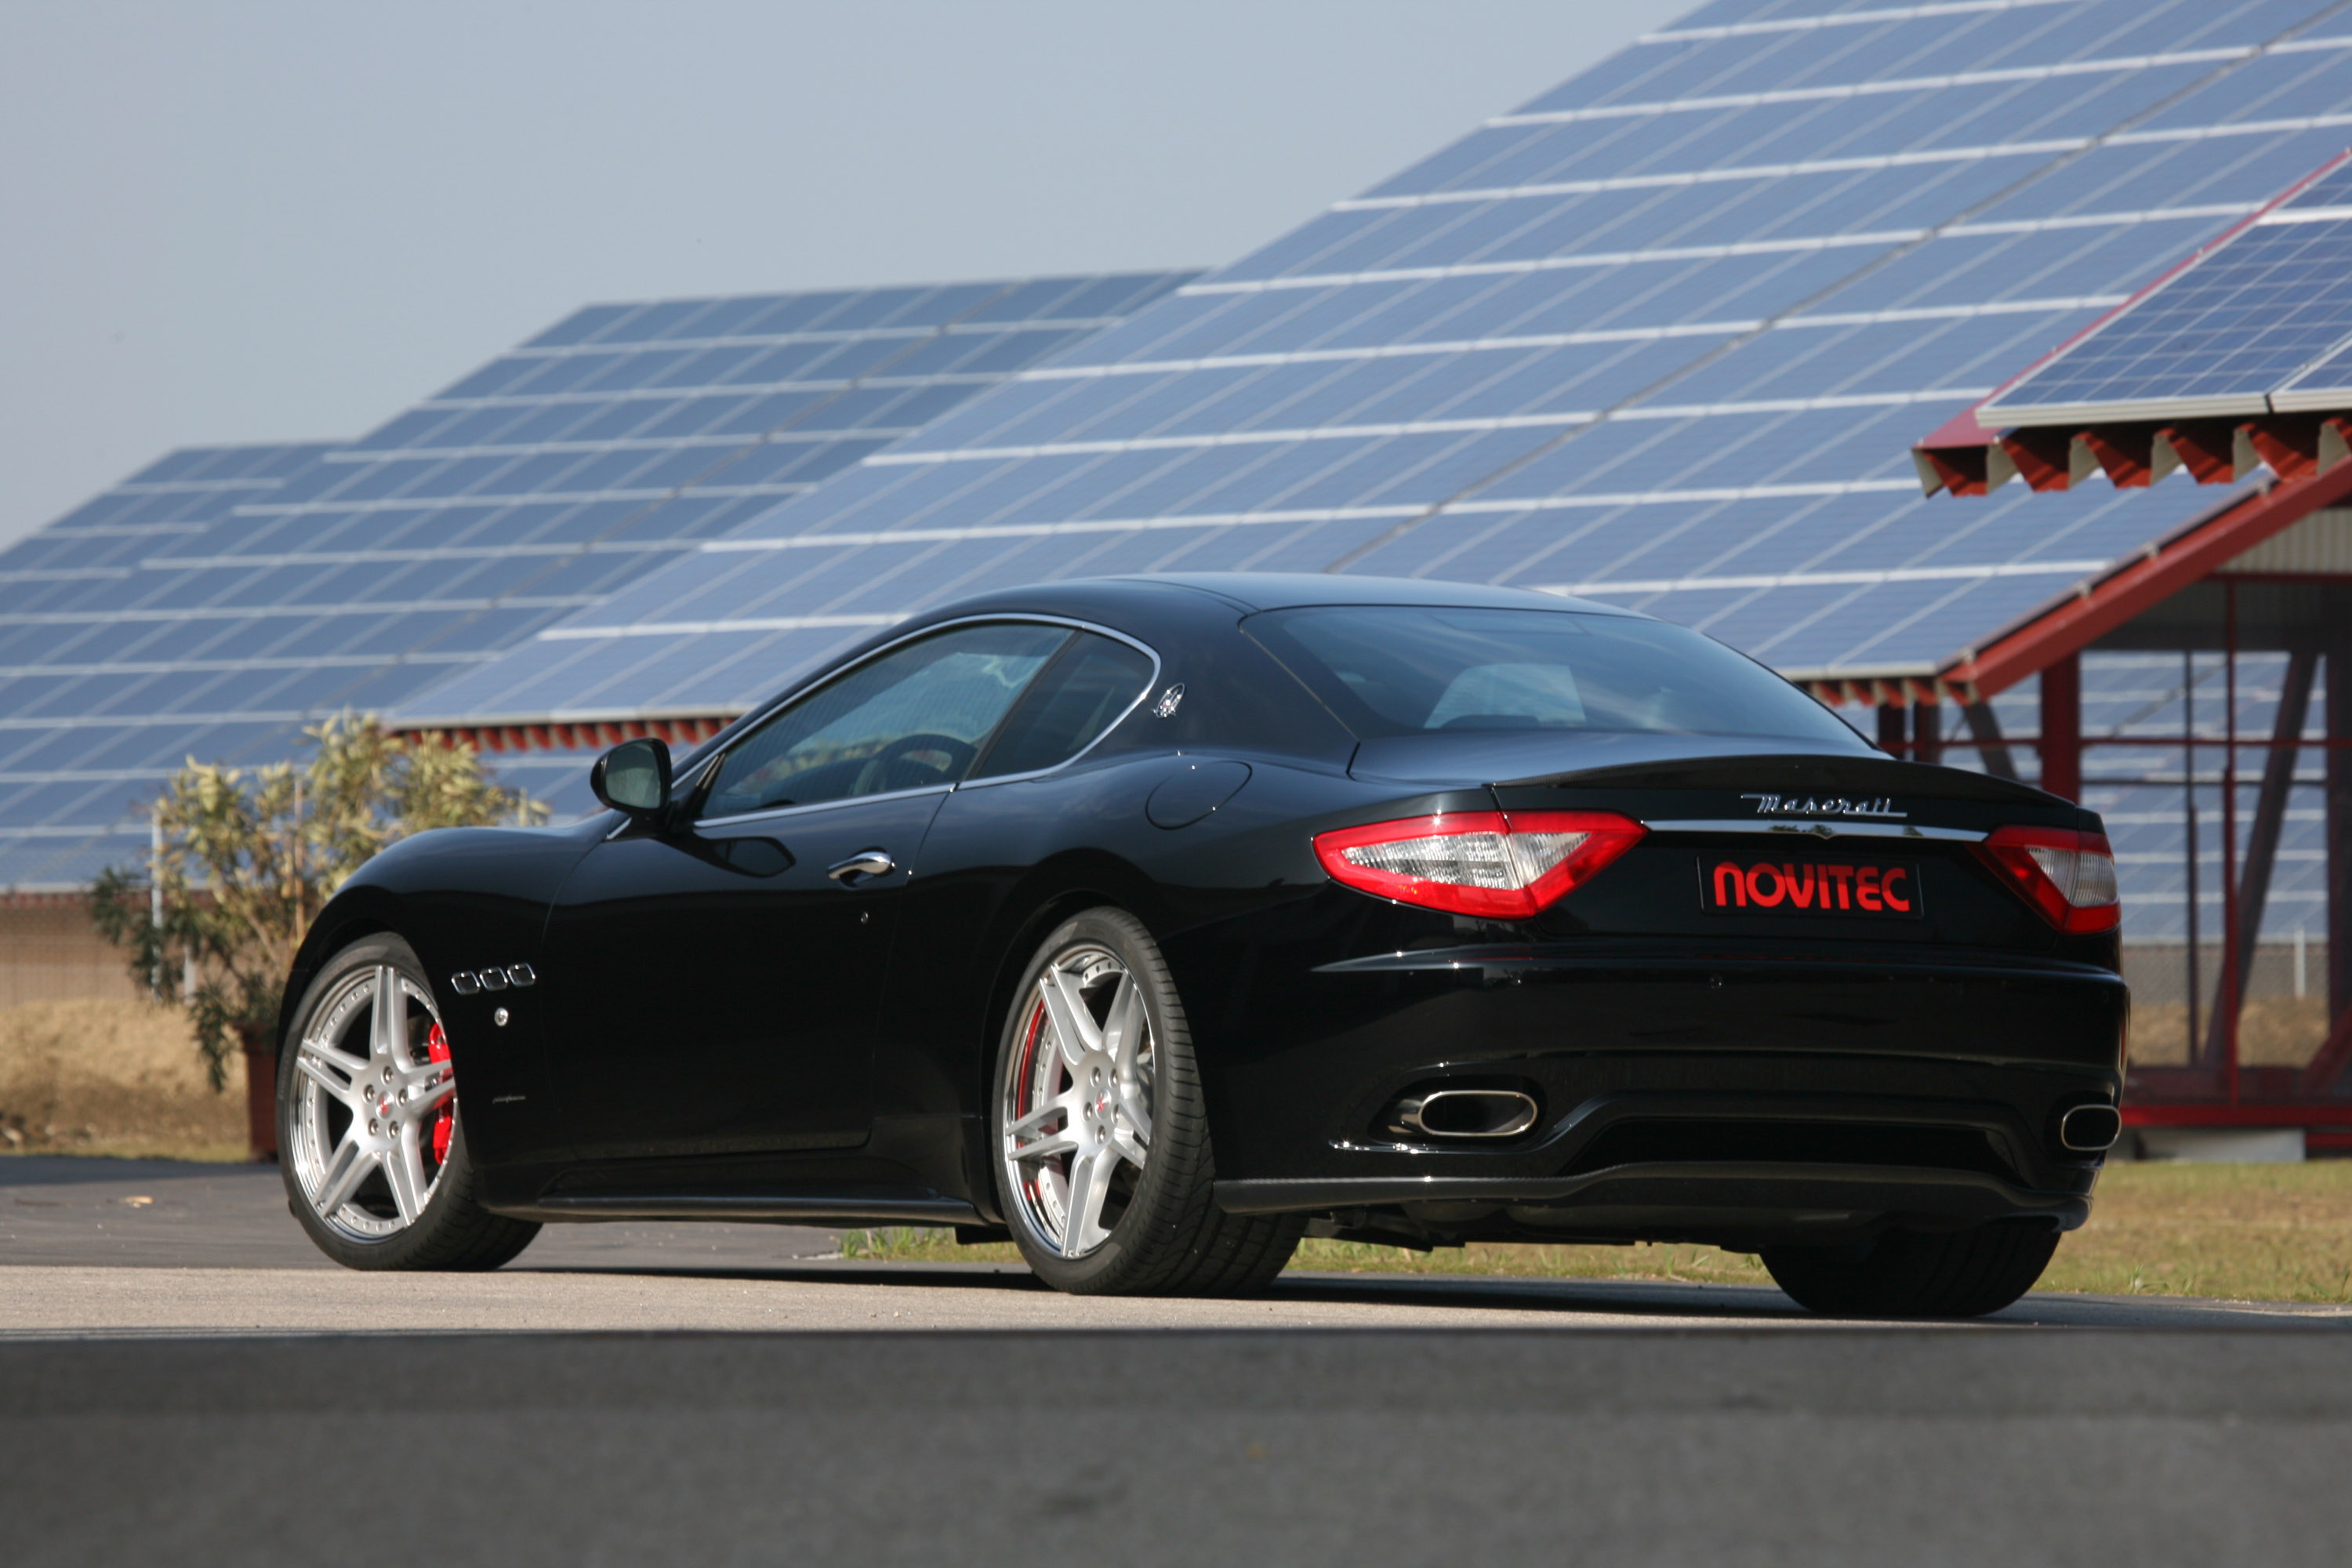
pixel 183 1380
pixel 158 1214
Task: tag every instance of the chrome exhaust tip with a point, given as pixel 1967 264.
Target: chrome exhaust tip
pixel 2090 1129
pixel 1463 1113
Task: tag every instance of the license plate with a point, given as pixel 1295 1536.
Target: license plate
pixel 1869 890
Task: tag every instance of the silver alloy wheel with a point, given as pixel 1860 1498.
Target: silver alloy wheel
pixel 1076 1109
pixel 374 1105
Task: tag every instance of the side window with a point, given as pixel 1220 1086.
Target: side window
pixel 1076 700
pixel 915 717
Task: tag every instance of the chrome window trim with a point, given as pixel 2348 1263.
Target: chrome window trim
pixel 1838 829
pixel 769 814
pixel 1150 685
pixel 704 772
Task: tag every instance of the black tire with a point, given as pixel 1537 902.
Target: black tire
pixel 1916 1274
pixel 452 1232
pixel 1169 1237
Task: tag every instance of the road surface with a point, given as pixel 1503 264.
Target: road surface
pixel 182 1381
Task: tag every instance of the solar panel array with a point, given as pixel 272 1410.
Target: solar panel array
pixel 1663 336
pixel 255 591
pixel 77 650
pixel 2259 323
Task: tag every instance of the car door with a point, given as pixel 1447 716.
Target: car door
pixel 721 976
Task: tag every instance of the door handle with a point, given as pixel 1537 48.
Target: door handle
pixel 864 863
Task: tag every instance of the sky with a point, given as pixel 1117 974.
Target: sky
pixel 268 221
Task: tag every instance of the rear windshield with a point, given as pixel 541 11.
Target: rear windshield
pixel 1404 670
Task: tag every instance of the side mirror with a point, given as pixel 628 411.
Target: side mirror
pixel 634 776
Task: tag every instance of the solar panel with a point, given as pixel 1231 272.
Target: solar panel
pixel 1662 335
pixel 62 781
pixel 2260 321
pixel 220 599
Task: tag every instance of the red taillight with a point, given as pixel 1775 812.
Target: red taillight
pixel 2068 877
pixel 1502 866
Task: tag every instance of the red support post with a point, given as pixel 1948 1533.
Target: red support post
pixel 2062 727
pixel 2233 960
pixel 1891 737
pixel 2339 830
pixel 1927 732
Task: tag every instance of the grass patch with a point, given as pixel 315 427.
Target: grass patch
pixel 922 1243
pixel 2264 1233
pixel 1539 1260
pixel 2275 1233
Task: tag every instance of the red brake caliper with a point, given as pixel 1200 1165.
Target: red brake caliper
pixel 1029 1056
pixel 436 1048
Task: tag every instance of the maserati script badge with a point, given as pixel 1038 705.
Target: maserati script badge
pixel 1881 809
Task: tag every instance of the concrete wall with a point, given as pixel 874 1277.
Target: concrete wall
pixel 51 953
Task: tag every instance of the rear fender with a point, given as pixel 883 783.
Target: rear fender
pixel 1050 894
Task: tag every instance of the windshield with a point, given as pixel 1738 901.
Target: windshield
pixel 1408 669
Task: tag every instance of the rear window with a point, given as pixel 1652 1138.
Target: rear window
pixel 1405 670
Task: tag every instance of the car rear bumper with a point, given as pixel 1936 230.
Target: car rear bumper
pixel 1682 1094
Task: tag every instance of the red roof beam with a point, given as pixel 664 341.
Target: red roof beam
pixel 2165 568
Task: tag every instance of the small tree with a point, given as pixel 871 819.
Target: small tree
pixel 245 862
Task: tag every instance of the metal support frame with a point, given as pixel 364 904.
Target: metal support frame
pixel 2227 1004
pixel 2189 816
pixel 2306 458
pixel 2219 1088
pixel 2325 1070
pixel 1984 729
pixel 2338 791
pixel 2263 839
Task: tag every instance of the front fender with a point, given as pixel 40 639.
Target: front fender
pixel 463 898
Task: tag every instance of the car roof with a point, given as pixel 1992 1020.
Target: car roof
pixel 1293 590
pixel 1223 593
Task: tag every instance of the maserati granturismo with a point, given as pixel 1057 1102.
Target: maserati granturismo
pixel 1156 922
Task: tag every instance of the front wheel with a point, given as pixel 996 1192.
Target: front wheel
pixel 1913 1274
pixel 1103 1162
pixel 373 1151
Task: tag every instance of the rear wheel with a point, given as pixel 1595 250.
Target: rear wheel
pixel 375 1161
pixel 1915 1274
pixel 1104 1167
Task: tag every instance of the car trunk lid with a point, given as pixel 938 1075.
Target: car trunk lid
pixel 1743 844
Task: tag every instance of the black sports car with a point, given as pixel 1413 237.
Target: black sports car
pixel 1158 921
